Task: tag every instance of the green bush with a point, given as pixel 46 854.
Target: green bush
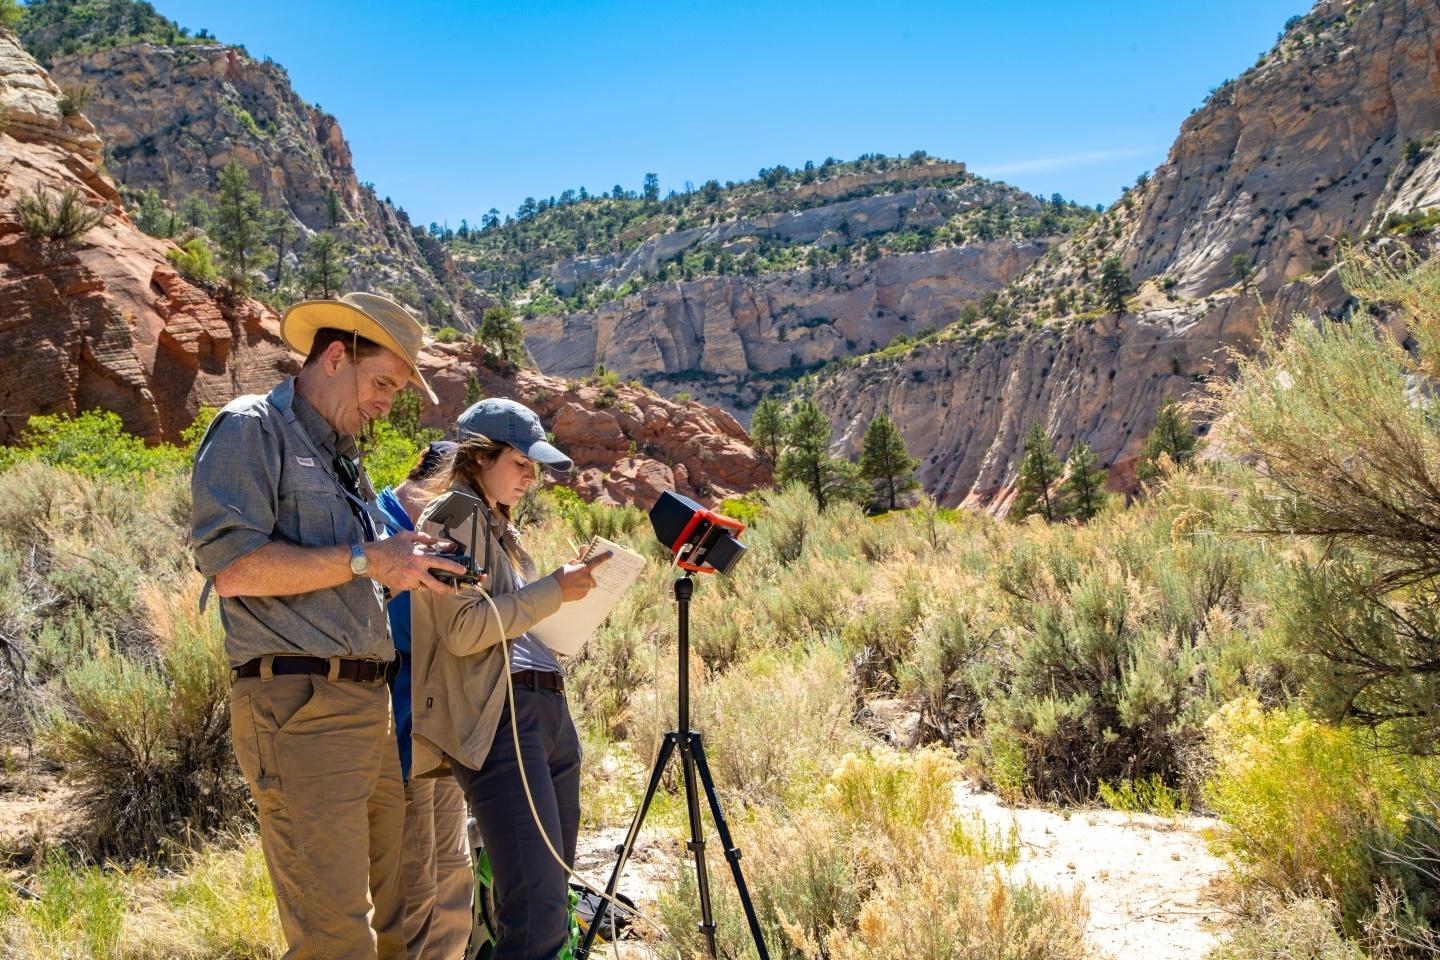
pixel 96 444
pixel 1310 808
pixel 148 743
pixel 194 261
pixel 64 219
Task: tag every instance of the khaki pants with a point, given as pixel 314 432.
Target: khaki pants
pixel 321 762
pixel 435 870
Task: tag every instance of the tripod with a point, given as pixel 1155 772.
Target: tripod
pixel 692 762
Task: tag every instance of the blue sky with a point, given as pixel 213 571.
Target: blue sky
pixel 452 108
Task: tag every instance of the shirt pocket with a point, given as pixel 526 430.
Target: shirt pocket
pixel 313 511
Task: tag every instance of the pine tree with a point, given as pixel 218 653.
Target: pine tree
pixel 153 216
pixel 1171 436
pixel 1115 285
pixel 885 462
pixel 333 210
pixel 1084 486
pixel 281 233
pixel 1039 470
pixel 1242 270
pixel 322 268
pixel 767 427
pixel 502 333
pixel 239 227
pixel 806 459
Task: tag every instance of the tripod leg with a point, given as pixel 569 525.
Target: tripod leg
pixel 697 839
pixel 623 854
pixel 732 852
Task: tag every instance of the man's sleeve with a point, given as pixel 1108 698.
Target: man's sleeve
pixel 234 491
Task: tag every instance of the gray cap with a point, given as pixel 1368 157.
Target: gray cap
pixel 506 421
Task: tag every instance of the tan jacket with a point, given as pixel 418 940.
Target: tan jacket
pixel 458 667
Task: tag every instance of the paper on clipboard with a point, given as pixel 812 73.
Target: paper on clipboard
pixel 567 630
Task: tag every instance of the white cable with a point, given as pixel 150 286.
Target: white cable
pixel 614 902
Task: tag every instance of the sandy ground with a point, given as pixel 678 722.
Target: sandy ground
pixel 1148 880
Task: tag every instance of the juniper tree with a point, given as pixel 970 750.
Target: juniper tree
pixel 1172 436
pixel 885 462
pixel 1035 485
pixel 239 227
pixel 806 459
pixel 767 427
pixel 322 266
pixel 1115 285
pixel 1084 486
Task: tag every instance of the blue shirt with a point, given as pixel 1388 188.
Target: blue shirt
pixel 399 611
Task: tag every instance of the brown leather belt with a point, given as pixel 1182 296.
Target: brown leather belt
pixel 357 671
pixel 539 680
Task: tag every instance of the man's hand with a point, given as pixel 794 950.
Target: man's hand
pixel 577 578
pixel 401 563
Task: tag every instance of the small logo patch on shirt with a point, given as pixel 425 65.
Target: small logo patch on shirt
pixel 305 461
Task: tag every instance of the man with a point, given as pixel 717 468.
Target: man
pixel 279 523
pixel 435 865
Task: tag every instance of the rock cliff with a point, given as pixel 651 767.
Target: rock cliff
pixel 1325 138
pixel 172 117
pixel 106 322
pixel 731 339
pixel 627 442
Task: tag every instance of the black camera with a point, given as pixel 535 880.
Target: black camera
pixel 708 539
pixel 449 511
pixel 472 573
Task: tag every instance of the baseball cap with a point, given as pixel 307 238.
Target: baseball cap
pixel 506 421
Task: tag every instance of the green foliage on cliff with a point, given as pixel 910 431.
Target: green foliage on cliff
pixel 509 253
pixel 51 28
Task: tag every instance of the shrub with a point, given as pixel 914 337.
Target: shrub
pixel 149 744
pixel 74 99
pixel 1301 928
pixel 64 219
pixel 193 260
pixel 447 335
pixel 1308 807
pixel 96 444
pixel 1348 452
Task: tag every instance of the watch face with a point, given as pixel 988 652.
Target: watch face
pixel 359 563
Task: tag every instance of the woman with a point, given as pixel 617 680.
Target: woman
pixel 462 710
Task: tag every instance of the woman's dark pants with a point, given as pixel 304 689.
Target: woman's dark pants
pixel 531 889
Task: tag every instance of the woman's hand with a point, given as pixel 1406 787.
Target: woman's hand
pixel 576 579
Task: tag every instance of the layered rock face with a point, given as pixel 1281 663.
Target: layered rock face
pixel 628 444
pixel 1307 147
pixel 839 222
pixel 107 322
pixel 730 339
pixel 171 118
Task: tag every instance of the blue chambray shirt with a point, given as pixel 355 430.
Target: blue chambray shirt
pixel 264 472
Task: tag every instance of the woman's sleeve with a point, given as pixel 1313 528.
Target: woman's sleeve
pixel 467 625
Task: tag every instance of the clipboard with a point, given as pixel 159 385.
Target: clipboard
pixel 568 629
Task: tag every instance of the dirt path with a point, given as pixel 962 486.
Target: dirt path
pixel 1148 879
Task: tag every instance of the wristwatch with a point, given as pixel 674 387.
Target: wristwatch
pixel 359 563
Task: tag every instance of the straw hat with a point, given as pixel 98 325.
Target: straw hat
pixel 375 318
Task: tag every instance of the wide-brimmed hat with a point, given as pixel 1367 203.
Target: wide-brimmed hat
pixel 506 421
pixel 375 318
